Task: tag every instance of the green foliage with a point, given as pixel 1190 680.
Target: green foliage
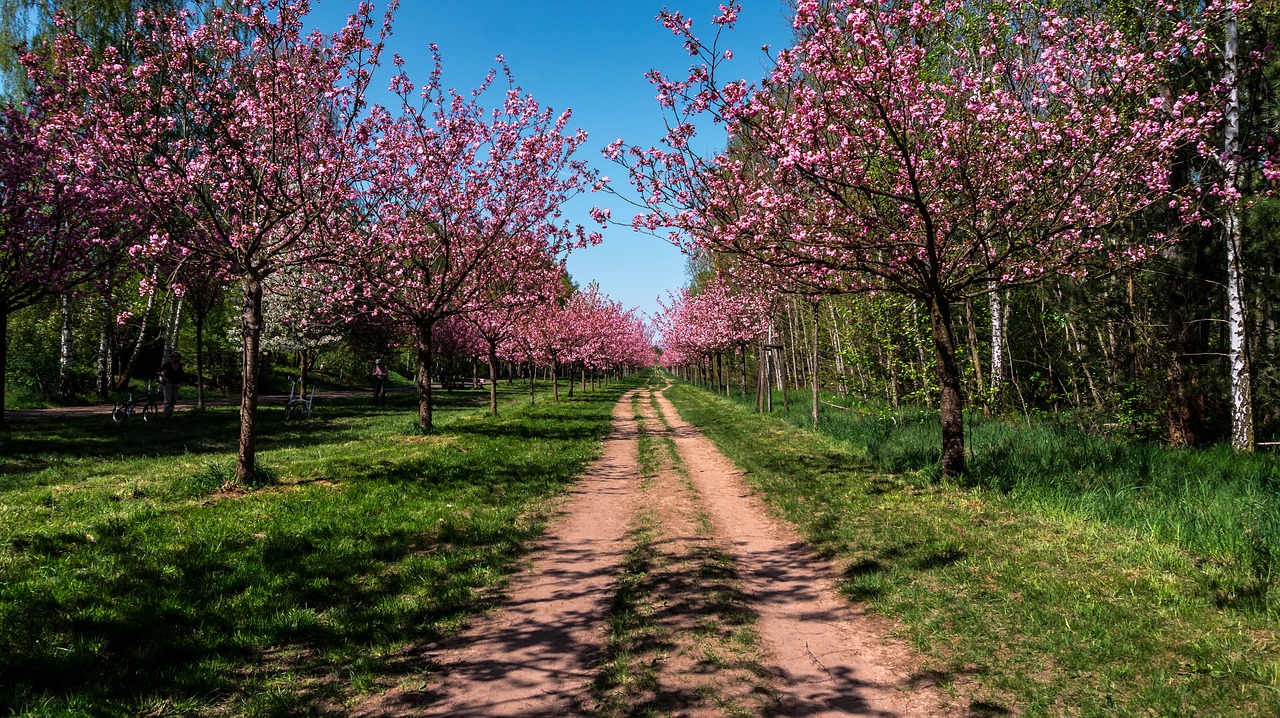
pixel 27 25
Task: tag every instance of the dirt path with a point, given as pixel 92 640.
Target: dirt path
pixel 533 657
pixel 725 611
pixel 829 658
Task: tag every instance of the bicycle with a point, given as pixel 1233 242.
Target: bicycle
pixel 131 406
pixel 299 406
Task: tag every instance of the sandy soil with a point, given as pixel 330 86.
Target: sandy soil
pixel 537 655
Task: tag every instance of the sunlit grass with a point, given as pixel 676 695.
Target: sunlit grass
pixel 1039 606
pixel 136 577
pixel 1222 505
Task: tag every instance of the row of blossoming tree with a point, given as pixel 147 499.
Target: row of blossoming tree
pixel 236 148
pixel 939 151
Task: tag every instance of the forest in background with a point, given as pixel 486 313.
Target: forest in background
pixel 1131 348
pixel 1141 350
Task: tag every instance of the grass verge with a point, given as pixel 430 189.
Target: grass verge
pixel 1027 607
pixel 133 583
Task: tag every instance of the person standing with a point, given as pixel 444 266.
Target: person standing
pixel 171 377
pixel 379 381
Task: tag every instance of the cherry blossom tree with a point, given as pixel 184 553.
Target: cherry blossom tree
pixel 499 321
pixel 62 224
pixel 454 341
pixel 586 328
pixel 719 318
pixel 552 337
pixel 467 204
pixel 938 150
pixel 298 319
pixel 248 124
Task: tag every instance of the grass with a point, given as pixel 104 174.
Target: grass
pixel 135 579
pixel 1218 504
pixel 1027 600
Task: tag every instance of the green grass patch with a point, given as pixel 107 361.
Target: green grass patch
pixel 137 578
pixel 1025 604
pixel 636 644
pixel 1220 505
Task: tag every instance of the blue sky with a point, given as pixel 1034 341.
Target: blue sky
pixel 590 56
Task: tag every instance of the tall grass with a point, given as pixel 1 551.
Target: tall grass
pixel 1222 505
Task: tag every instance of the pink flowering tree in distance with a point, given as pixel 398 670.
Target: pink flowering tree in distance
pixel 552 337
pixel 466 207
pixel 455 341
pixel 499 319
pixel 939 150
pixel 249 125
pixel 719 318
pixel 586 328
pixel 602 325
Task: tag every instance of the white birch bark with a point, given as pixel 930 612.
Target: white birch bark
pixel 1241 386
pixel 171 328
pixel 842 382
pixel 104 352
pixel 66 348
pixel 997 342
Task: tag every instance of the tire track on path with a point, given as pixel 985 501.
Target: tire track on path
pixel 682 640
pixel 828 657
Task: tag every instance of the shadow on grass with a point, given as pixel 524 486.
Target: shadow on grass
pixel 270 603
pixel 30 447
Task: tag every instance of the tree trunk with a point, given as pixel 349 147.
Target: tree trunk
pixel 306 359
pixel 171 329
pixel 555 380
pixel 493 378
pixel 951 398
pixel 103 382
pixel 974 356
pixel 997 342
pixel 127 372
pixel 814 377
pixel 796 337
pixel 426 362
pixel 200 317
pixel 842 383
pixel 762 381
pixel 781 373
pixel 1241 382
pixel 4 360
pixel 251 327
pixel 66 347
